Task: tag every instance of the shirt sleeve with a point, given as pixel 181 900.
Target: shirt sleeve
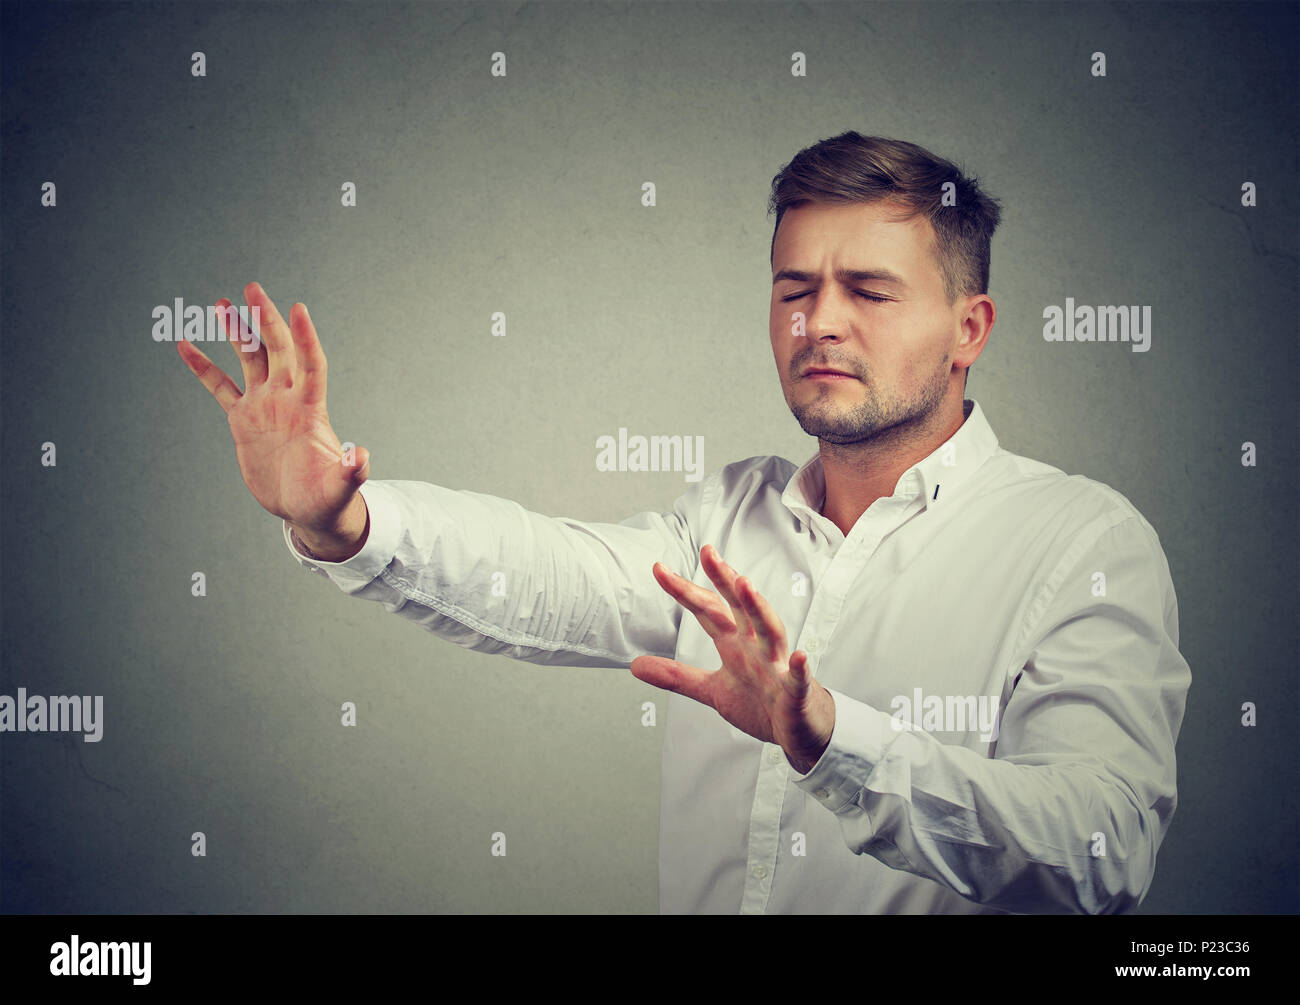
pixel 488 575
pixel 1068 809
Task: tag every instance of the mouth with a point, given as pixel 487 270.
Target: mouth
pixel 819 373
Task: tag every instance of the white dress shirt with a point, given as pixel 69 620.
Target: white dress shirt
pixel 987 583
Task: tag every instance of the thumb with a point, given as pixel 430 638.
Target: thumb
pixel 361 471
pixel 800 675
pixel 671 675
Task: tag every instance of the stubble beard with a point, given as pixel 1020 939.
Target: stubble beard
pixel 827 417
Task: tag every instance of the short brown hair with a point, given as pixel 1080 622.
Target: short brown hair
pixel 854 168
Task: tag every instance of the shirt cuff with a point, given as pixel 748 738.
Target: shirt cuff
pixel 380 547
pixel 857 745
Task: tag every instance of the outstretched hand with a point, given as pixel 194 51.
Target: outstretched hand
pixel 760 688
pixel 289 455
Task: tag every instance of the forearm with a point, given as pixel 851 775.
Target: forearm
pixel 485 574
pixel 1042 833
pixel 1050 841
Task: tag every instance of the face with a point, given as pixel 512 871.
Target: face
pixel 894 334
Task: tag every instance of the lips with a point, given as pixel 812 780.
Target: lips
pixel 826 370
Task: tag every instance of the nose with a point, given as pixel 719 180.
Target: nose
pixel 827 318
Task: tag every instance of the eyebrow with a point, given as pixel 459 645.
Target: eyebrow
pixel 844 276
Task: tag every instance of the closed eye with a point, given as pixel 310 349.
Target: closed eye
pixel 867 296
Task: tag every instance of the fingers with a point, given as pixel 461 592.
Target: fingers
pixel 210 375
pixel 751 614
pixel 724 578
pixel 275 335
pixel 680 678
pixel 311 358
pixel 251 359
pixel 293 350
pixel 767 625
pixel 706 607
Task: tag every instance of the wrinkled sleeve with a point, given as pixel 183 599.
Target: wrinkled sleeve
pixel 1068 810
pixel 488 575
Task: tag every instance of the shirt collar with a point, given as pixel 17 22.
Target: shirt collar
pixel 934 478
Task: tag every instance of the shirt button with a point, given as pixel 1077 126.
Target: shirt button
pixel 760 871
pixel 773 756
pixel 822 793
pixel 812 646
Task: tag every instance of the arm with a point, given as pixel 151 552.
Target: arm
pixel 480 571
pixel 488 575
pixel 1068 813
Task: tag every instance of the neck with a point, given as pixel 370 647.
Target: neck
pixel 857 474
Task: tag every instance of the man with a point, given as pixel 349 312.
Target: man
pixel 981 713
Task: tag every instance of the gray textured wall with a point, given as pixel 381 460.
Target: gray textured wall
pixel 522 194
